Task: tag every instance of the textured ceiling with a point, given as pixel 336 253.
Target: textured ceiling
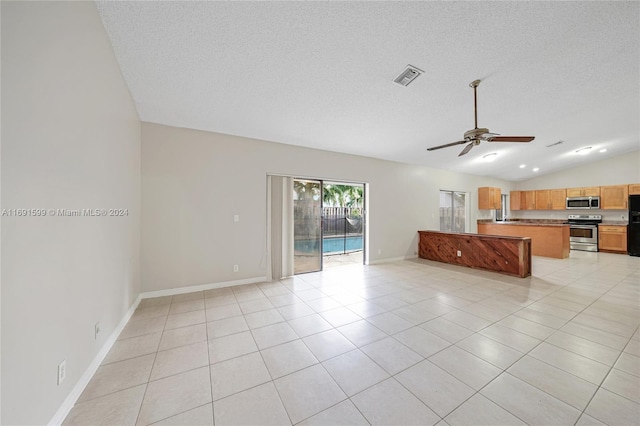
pixel 320 74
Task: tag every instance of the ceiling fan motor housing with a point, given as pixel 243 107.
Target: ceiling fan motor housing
pixel 476 134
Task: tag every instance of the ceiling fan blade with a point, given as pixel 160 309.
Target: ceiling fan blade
pixel 511 138
pixel 446 145
pixel 466 149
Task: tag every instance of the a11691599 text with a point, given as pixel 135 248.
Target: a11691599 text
pixel 65 212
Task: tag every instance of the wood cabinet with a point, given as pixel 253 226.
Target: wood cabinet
pixel 588 191
pixel 528 200
pixel 614 197
pixel 558 199
pixel 634 189
pixel 612 238
pixel 515 200
pixel 550 199
pixel 489 198
pixel 543 199
pixel 546 240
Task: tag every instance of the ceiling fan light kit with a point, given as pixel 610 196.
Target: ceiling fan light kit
pixel 476 135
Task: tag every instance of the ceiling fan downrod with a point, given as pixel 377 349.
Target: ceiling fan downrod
pixel 475 84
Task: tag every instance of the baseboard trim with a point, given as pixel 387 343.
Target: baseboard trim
pixel 392 259
pixel 77 390
pixel 201 287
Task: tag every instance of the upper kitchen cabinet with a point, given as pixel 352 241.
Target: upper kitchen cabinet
pixel 528 200
pixel 550 199
pixel 590 191
pixel 558 199
pixel 614 197
pixel 515 200
pixel 634 189
pixel 543 200
pixel 522 200
pixel 489 198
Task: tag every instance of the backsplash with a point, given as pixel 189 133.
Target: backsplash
pixel 607 215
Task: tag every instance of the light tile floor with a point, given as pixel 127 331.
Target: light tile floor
pixel 410 342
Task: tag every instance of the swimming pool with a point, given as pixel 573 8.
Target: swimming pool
pixel 330 244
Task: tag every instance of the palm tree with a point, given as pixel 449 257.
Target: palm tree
pixel 343 195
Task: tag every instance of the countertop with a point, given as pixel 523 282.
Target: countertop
pixel 523 223
pixel 615 222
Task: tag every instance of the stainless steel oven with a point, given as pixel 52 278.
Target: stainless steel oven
pixel 583 231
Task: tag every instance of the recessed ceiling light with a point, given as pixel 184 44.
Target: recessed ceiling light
pixel 490 157
pixel 522 166
pixel 603 150
pixel 583 151
pixel 535 169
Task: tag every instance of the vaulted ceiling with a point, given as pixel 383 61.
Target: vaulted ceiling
pixel 320 74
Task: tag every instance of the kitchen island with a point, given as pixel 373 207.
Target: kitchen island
pixel 548 239
pixel 507 255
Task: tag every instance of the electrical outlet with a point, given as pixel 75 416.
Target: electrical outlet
pixel 235 268
pixel 62 371
pixel 379 251
pixel 96 329
pixel 236 218
pixel 459 253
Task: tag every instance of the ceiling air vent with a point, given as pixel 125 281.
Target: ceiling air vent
pixel 409 74
pixel 554 144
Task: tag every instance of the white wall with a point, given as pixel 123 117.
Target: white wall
pixel 70 139
pixel 623 169
pixel 611 171
pixel 194 182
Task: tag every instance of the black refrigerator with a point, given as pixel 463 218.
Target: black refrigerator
pixel 633 231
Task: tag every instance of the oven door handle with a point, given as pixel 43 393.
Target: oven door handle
pixel 584 226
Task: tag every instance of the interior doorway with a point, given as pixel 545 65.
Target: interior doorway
pixel 329 224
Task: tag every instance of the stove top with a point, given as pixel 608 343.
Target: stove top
pixel 585 219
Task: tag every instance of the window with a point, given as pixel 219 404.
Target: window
pixel 453 211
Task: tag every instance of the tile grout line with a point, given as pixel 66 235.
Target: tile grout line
pixel 151 371
pixel 269 372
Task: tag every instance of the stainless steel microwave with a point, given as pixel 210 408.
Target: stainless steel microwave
pixel 583 203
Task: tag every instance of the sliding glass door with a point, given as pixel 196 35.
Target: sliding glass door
pixel 307 225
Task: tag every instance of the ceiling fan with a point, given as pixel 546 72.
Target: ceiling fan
pixel 476 135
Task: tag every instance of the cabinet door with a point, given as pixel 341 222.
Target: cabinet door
pixel 543 201
pixel 612 238
pixel 497 198
pixel 592 191
pixel 529 200
pixel 634 189
pixel 485 198
pixel 614 197
pixel 558 199
pixel 515 202
pixel 574 192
